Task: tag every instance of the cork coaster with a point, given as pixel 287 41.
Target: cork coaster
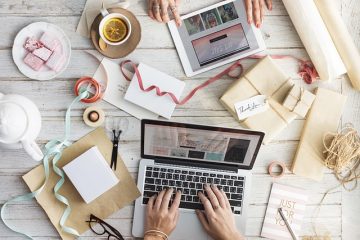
pixel 124 49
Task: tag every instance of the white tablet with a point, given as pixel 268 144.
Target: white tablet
pixel 215 36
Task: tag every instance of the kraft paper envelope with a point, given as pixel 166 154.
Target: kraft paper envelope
pixel 124 193
pixel 323 117
pixel 265 78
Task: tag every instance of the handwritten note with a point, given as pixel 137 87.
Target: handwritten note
pixel 251 106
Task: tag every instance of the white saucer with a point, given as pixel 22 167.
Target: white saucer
pixel 36 30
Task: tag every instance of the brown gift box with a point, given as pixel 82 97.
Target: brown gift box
pixel 124 193
pixel 324 117
pixel 299 101
pixel 265 78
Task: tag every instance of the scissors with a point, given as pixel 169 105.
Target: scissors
pixel 114 154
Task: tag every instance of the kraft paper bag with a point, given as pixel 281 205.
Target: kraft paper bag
pixel 324 116
pixel 124 193
pixel 265 78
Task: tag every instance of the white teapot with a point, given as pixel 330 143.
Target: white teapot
pixel 20 124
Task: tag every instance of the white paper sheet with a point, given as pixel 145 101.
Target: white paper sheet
pixel 116 89
pixel 164 105
pixel 316 38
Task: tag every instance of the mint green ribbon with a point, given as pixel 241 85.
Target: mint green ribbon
pixel 54 150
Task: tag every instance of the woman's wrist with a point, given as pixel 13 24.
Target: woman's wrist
pixel 155 235
pixel 236 236
pixel 152 237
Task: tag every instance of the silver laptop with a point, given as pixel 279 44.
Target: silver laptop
pixel 185 157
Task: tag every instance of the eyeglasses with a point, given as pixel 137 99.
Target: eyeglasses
pixel 100 227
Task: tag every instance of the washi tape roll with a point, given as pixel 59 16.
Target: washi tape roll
pixel 276 164
pixel 94 116
pixel 92 86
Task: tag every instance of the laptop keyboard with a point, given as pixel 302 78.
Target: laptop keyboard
pixel 190 182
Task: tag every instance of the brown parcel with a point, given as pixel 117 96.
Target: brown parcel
pixel 323 117
pixel 264 78
pixel 124 193
pixel 299 101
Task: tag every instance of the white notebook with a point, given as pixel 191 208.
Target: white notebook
pixel 91 174
pixel 163 106
pixel 293 202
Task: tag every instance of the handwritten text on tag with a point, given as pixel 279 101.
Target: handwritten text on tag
pixel 251 106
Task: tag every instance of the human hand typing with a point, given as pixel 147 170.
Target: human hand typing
pixel 218 219
pixel 159 217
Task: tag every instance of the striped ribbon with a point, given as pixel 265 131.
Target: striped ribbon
pixel 54 150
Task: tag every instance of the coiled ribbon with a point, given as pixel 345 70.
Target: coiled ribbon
pixel 54 150
pixel 306 71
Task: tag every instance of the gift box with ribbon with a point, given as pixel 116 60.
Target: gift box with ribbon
pixel 299 101
pixel 265 78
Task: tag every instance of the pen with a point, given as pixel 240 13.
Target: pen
pixel 287 224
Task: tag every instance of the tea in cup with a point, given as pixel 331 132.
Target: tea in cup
pixel 114 28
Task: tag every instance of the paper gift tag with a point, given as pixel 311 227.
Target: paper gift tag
pixel 251 106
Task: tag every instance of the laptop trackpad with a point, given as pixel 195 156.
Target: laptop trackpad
pixel 189 227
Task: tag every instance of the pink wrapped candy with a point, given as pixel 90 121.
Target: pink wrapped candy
pixel 49 41
pixel 32 44
pixel 33 61
pixel 56 60
pixel 42 53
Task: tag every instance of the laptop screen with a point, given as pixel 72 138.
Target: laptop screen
pixel 197 142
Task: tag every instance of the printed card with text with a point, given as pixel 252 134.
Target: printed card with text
pixel 293 201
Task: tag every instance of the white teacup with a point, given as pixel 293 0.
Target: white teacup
pixel 106 16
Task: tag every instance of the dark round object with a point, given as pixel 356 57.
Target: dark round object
pixel 93 116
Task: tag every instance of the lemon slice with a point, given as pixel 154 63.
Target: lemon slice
pixel 115 30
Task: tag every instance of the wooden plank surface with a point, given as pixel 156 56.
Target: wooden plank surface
pixel 340 212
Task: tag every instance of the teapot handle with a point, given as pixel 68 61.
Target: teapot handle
pixel 33 150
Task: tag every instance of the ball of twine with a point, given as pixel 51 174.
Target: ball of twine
pixel 342 155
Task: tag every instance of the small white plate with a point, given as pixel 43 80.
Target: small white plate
pixel 36 30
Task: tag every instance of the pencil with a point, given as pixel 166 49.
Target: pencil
pixel 287 224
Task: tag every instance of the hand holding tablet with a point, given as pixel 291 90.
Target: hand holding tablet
pixel 159 10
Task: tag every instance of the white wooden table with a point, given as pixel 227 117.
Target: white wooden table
pixel 341 210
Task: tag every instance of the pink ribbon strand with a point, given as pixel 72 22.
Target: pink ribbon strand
pixel 306 71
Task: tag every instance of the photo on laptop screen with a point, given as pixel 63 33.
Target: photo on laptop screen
pixel 215 36
pixel 186 141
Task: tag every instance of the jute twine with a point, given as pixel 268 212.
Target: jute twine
pixel 342 155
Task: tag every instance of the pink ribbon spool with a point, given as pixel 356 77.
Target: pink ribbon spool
pixel 276 164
